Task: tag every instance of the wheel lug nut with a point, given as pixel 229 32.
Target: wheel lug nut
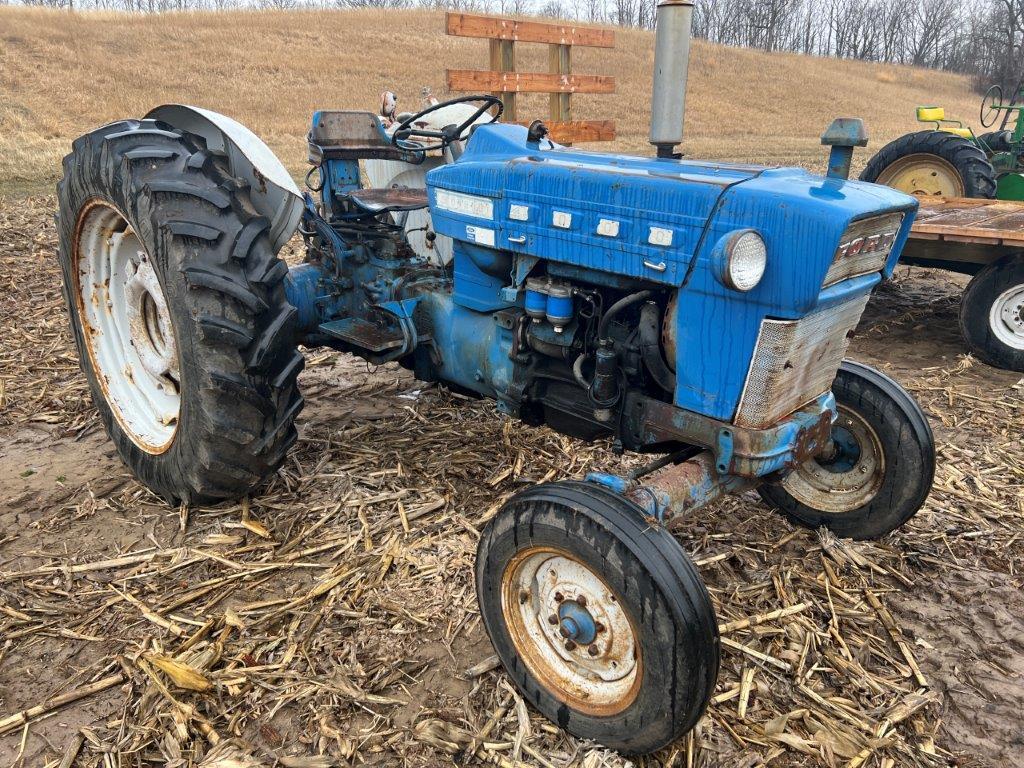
pixel 570 645
pixel 599 626
pixel 563 631
pixel 523 596
pixel 582 600
pixel 552 619
pixel 559 597
pixel 592 650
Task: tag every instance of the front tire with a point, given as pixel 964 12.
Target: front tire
pixel 880 471
pixel 177 305
pixel 992 313
pixel 599 618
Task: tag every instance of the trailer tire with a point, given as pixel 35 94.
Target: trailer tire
pixel 649 616
pixel 177 306
pixel 992 313
pixel 882 469
pixel 953 159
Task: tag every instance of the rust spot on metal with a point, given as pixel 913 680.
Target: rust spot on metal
pixel 261 179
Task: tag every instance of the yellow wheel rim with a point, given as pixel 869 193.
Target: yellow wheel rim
pixel 923 174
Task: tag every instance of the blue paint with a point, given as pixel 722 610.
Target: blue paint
pixel 846 451
pixel 303 287
pixel 576 623
pixel 800 216
pixel 615 482
pixel 536 304
pixel 559 308
pixel 723 452
pixel 843 135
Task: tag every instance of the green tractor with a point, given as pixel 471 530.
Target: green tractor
pixel 982 238
pixel 950 160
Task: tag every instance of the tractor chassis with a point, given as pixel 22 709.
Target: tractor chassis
pixel 715 458
pixel 735 458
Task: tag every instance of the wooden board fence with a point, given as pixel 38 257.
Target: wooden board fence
pixel 505 82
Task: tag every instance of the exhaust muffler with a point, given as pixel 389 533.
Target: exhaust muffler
pixel 671 60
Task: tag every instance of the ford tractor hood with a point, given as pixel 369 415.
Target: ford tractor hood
pixel 654 219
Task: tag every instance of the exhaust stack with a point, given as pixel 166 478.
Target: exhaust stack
pixel 671 59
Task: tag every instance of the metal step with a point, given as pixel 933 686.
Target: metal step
pixel 364 334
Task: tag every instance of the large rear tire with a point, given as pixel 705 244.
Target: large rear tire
pixel 178 310
pixel 992 313
pixel 933 163
pixel 880 471
pixel 599 617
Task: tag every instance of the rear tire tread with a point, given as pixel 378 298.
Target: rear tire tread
pixel 242 416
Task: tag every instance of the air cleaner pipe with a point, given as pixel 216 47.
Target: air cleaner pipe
pixel 671 61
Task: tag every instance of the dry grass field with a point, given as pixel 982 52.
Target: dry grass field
pixel 331 619
pixel 61 74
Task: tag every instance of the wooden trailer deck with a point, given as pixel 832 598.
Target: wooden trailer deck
pixel 984 239
pixel 966 220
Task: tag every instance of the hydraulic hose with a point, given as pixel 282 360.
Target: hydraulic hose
pixel 577 371
pixel 617 307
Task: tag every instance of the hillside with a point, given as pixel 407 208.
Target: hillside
pixel 62 73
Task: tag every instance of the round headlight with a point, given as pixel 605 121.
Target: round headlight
pixel 745 259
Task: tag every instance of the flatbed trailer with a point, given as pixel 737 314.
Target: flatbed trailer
pixel 985 239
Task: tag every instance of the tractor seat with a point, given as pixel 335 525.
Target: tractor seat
pixel 348 135
pixel 392 199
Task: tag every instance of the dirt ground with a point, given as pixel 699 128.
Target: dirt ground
pixel 331 619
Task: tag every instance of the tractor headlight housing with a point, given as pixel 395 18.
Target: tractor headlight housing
pixel 742 258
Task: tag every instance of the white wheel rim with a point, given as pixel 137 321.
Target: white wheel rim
pixel 127 327
pixel 601 676
pixel 843 483
pixel 1006 317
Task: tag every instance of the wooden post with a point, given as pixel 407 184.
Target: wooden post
pixel 503 59
pixel 560 63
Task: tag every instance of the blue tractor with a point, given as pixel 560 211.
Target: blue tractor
pixel 696 311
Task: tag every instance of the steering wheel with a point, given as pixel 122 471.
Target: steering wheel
pixel 991 104
pixel 407 129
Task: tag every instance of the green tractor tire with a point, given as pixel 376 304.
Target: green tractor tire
pixel 933 163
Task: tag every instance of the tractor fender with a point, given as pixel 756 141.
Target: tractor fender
pixel 272 189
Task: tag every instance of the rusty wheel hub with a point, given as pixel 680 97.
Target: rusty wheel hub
pixel 571 630
pixel 848 476
pixel 127 327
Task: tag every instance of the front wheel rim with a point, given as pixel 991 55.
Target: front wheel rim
pixel 571 630
pixel 126 326
pixel 849 477
pixel 923 174
pixel 1006 317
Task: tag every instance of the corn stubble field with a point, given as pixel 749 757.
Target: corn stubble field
pixel 331 620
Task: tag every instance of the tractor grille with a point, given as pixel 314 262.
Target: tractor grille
pixel 865 247
pixel 795 361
